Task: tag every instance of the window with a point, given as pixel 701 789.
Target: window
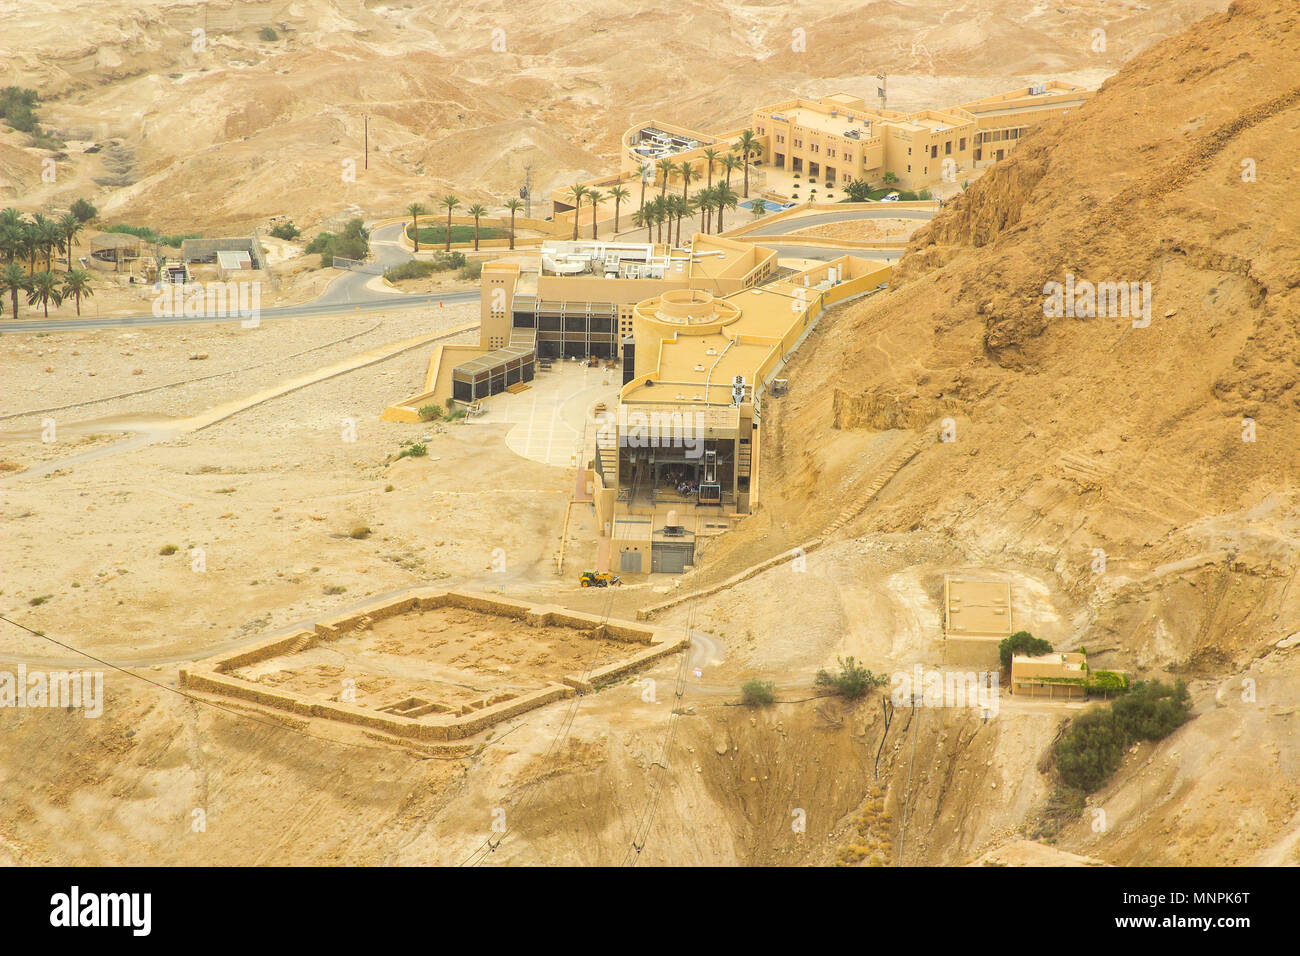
pixel 947 148
pixel 934 151
pixel 961 144
pixel 909 167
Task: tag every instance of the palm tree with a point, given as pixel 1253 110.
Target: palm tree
pixel 747 146
pixel 666 167
pixel 13 280
pixel 416 210
pixel 69 225
pixel 642 218
pixel 710 158
pixel 514 204
pixel 595 197
pixel 50 237
pixel 451 202
pixel 681 208
pixel 660 207
pixel 641 171
pixel 11 240
pixel 725 198
pixel 477 211
pixel 730 163
pixel 618 194
pixel 44 289
pixel 688 173
pixel 31 245
pixel 577 191
pixel 704 198
pixel 76 285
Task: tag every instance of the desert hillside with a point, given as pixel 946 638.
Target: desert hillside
pixel 1168 449
pixel 191 99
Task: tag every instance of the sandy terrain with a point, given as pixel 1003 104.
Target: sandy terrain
pixel 247 128
pixel 1073 435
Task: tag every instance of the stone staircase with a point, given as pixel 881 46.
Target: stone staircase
pixel 891 467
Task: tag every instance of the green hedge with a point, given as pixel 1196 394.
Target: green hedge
pixel 437 235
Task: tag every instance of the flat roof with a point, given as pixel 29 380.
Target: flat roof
pixel 977 608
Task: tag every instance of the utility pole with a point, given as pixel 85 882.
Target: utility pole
pixel 527 191
pixel 366 134
pixel 882 91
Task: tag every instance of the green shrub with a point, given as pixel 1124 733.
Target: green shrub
pixel 1021 642
pixel 852 682
pixel 758 693
pixel 415 269
pixel 18 108
pixel 443 261
pixel 1152 710
pixel 431 411
pixel 1107 682
pixel 1094 744
pixel 268 34
pixel 84 210
pixel 471 270
pixel 352 243
pixel 167 549
pixel 418 450
pixel 1091 750
pixel 437 235
pixel 286 230
pixel 151 237
pixel 359 533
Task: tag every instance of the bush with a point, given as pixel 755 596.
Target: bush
pixel 268 34
pixel 431 411
pixel 1152 710
pixel 1091 750
pixel 471 270
pixel 1094 745
pixel 352 243
pixel 359 533
pixel 437 235
pixel 418 450
pixel 1021 642
pixel 851 682
pixel 286 230
pixel 84 210
pixel 167 549
pixel 443 261
pixel 18 108
pixel 758 693
pixel 151 237
pixel 415 269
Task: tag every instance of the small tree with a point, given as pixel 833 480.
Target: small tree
pixel 890 178
pixel 758 693
pixel 858 190
pixel 1021 642
pixel 84 210
pixel 852 682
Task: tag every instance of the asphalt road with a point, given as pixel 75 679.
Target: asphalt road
pixel 349 292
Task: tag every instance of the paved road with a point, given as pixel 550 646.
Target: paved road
pixel 882 211
pixel 347 293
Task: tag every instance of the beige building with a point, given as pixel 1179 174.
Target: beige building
pixel 839 138
pixel 1051 675
pixel 976 617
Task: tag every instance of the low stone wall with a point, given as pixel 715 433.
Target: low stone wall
pixel 215 676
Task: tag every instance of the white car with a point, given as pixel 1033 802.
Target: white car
pixel 892 197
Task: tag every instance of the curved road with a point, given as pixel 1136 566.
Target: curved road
pixel 347 293
pixel 350 292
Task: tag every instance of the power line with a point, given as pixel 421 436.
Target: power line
pixel 488 847
pixel 180 693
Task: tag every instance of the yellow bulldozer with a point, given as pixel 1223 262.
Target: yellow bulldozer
pixel 598 579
